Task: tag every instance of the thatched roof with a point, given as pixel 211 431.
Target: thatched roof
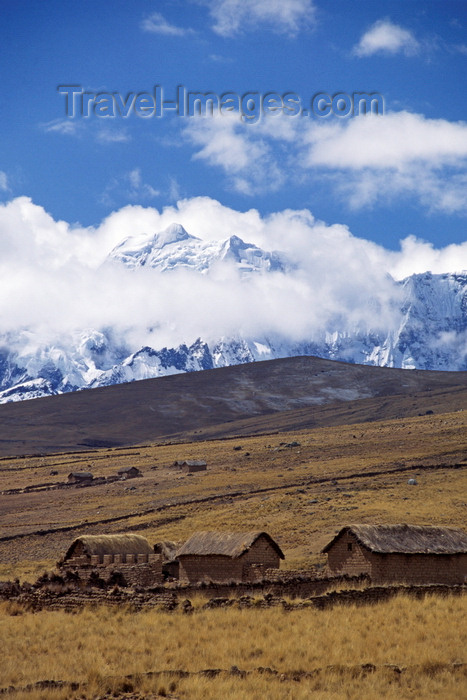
pixel 190 463
pixel 125 470
pixel 227 544
pixel 406 539
pixel 111 544
pixel 80 475
pixel 167 549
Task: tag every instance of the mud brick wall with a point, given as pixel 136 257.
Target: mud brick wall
pixel 347 556
pixel 262 553
pixel 420 568
pixel 209 568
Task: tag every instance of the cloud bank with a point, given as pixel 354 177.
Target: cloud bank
pixel 53 281
pixel 370 159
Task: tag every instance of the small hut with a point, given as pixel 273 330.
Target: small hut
pixel 224 557
pixel 80 477
pixel 190 466
pixel 129 472
pixel 399 553
pixel 92 550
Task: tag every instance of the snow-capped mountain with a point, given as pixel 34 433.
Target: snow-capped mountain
pixel 174 248
pixel 430 330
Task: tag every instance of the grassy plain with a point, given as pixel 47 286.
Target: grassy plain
pixel 301 494
pixel 425 640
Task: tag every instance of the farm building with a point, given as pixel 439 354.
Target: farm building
pixel 129 472
pixel 128 553
pixel 80 477
pixel 223 557
pixel 189 466
pixel 403 553
pixel 109 549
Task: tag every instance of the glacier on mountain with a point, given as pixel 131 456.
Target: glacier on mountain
pixel 175 248
pixel 430 333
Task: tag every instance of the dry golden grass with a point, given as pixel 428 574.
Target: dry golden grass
pixel 98 647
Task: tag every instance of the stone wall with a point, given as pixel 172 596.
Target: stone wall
pixel 293 587
pixel 140 570
pixel 47 598
pixel 142 575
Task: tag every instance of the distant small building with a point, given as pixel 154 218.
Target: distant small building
pixel 80 477
pixel 224 557
pixel 189 466
pixel 129 472
pixel 399 553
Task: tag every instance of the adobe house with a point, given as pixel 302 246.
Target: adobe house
pixel 109 549
pixel 190 466
pixel 80 477
pixel 399 553
pixel 224 557
pixel 129 472
pixel 128 553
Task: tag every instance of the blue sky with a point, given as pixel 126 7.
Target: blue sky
pixel 397 175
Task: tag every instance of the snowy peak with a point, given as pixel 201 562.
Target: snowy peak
pixel 145 249
pixel 175 248
pixel 175 233
pixel 249 257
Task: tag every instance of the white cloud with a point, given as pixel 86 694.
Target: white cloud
pixel 66 127
pixel 388 38
pixel 129 186
pixel 4 186
pixel 238 149
pixel 374 158
pixel 112 136
pixel 157 24
pixel 394 140
pixel 368 159
pixel 174 193
pixel 78 128
pixel 281 16
pixel 52 281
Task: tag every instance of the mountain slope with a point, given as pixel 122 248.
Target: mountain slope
pixel 254 397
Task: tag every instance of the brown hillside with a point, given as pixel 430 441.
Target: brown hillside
pixel 287 394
